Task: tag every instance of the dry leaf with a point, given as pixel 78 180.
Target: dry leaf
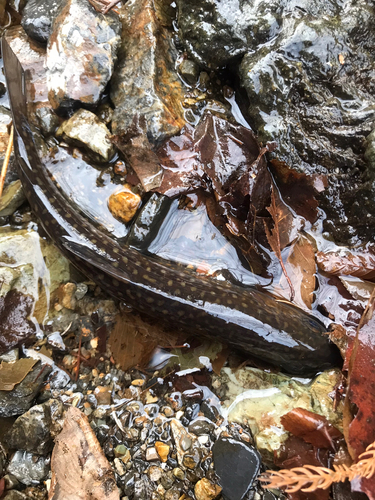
pixel 80 470
pixel 12 374
pixel 219 361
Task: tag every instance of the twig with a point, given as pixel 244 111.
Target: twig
pixel 77 367
pixel 6 161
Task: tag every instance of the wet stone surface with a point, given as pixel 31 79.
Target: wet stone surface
pixel 38 16
pixel 83 44
pixel 21 398
pixel 27 468
pixel 146 86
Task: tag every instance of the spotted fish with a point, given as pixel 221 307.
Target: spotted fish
pixel 246 318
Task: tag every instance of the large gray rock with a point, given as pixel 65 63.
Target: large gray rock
pixel 146 89
pixel 38 16
pixel 81 54
pixel 34 430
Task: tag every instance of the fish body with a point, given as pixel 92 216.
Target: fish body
pixel 246 318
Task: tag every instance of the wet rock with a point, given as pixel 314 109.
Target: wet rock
pixel 81 54
pixel 146 84
pixel 155 473
pixel 21 398
pixel 12 198
pixel 201 426
pixel 86 130
pixel 29 469
pixel 163 450
pixel 205 490
pixel 237 465
pixel 189 71
pixel 214 32
pixel 188 456
pixel 322 104
pixel 37 18
pixel 151 454
pixel 32 57
pixel 124 204
pixel 34 430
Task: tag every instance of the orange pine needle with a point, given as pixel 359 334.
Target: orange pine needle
pixel 310 478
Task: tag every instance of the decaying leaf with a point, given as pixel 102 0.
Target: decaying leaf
pixel 132 340
pixel 311 427
pixel 344 262
pixel 80 470
pixel 273 237
pixel 298 189
pixel 358 289
pixel 12 374
pixel 301 269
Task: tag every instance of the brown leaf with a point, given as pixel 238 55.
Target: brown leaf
pixel 299 190
pixel 12 374
pixel 301 269
pixel 361 390
pixel 311 427
pixel 273 236
pixel 138 151
pixel 133 340
pixel 219 361
pixel 360 264
pixel 80 470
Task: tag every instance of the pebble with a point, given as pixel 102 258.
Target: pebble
pixel 138 382
pixel 179 473
pixel 37 18
pixel 201 426
pixel 151 454
pixel 162 450
pixel 205 490
pixel 103 395
pixel 155 473
pixel 123 205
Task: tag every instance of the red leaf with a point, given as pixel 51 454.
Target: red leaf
pixel 311 427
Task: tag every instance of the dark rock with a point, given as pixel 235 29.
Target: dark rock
pixel 209 411
pixel 81 54
pixel 322 106
pixel 38 16
pixel 216 31
pixel 12 198
pixel 201 426
pixel 34 430
pixel 146 83
pixel 189 71
pixel 20 399
pixel 237 465
pixel 28 468
pixel 142 488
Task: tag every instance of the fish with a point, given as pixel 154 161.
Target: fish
pixel 248 319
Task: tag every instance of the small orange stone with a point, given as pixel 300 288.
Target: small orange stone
pixel 163 450
pixel 124 205
pixel 205 490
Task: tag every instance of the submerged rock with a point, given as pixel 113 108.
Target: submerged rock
pixel 146 83
pixel 34 430
pixel 85 129
pixel 38 16
pixel 81 54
